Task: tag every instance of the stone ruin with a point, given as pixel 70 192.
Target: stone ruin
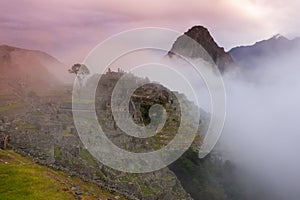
pixel 53 140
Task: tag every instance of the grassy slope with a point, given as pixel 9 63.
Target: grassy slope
pixel 20 178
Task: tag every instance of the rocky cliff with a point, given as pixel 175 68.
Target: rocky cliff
pixel 202 36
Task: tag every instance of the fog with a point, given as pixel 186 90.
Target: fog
pixel 262 129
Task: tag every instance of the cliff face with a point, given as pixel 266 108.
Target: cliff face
pixel 202 36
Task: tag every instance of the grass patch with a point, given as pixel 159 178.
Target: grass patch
pixel 40 114
pixel 67 133
pixel 6 97
pixel 85 155
pixel 21 179
pixel 147 190
pixel 57 152
pixel 30 127
pixel 4 108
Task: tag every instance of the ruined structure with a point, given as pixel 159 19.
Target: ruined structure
pixel 45 131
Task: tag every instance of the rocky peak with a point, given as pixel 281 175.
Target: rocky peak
pixel 202 36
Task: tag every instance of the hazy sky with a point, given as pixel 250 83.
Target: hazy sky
pixel 69 29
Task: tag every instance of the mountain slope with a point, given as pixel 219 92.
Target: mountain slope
pixel 31 69
pixel 23 179
pixel 202 36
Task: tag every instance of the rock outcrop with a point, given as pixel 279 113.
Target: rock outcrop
pixel 202 36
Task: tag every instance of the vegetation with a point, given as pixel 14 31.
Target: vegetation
pixel 79 68
pixel 145 107
pixel 67 133
pixel 29 127
pixel 22 179
pixel 210 178
pixel 5 97
pixel 9 107
pixel 57 152
pixel 147 190
pixel 85 155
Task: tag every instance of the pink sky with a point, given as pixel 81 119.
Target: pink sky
pixel 69 29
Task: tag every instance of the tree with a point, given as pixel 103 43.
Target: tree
pixel 81 72
pixel 79 69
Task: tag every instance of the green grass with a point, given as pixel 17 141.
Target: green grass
pixel 28 127
pixel 85 154
pixel 67 133
pixel 12 106
pixel 147 190
pixel 40 114
pixel 70 100
pixel 28 183
pixel 57 152
pixel 6 97
pixel 22 179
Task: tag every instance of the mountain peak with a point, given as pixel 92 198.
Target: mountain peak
pixel 202 36
pixel 277 36
pixel 198 28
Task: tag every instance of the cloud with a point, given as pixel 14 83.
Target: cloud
pixel 261 132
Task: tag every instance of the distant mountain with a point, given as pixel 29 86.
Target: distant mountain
pixel 32 69
pixel 264 51
pixel 201 35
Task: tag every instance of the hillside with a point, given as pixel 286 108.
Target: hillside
pixel 23 179
pixel 264 51
pixel 27 68
pixel 41 126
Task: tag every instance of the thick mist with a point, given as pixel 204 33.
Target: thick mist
pixel 262 129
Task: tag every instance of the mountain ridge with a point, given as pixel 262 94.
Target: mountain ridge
pixel 273 47
pixel 32 68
